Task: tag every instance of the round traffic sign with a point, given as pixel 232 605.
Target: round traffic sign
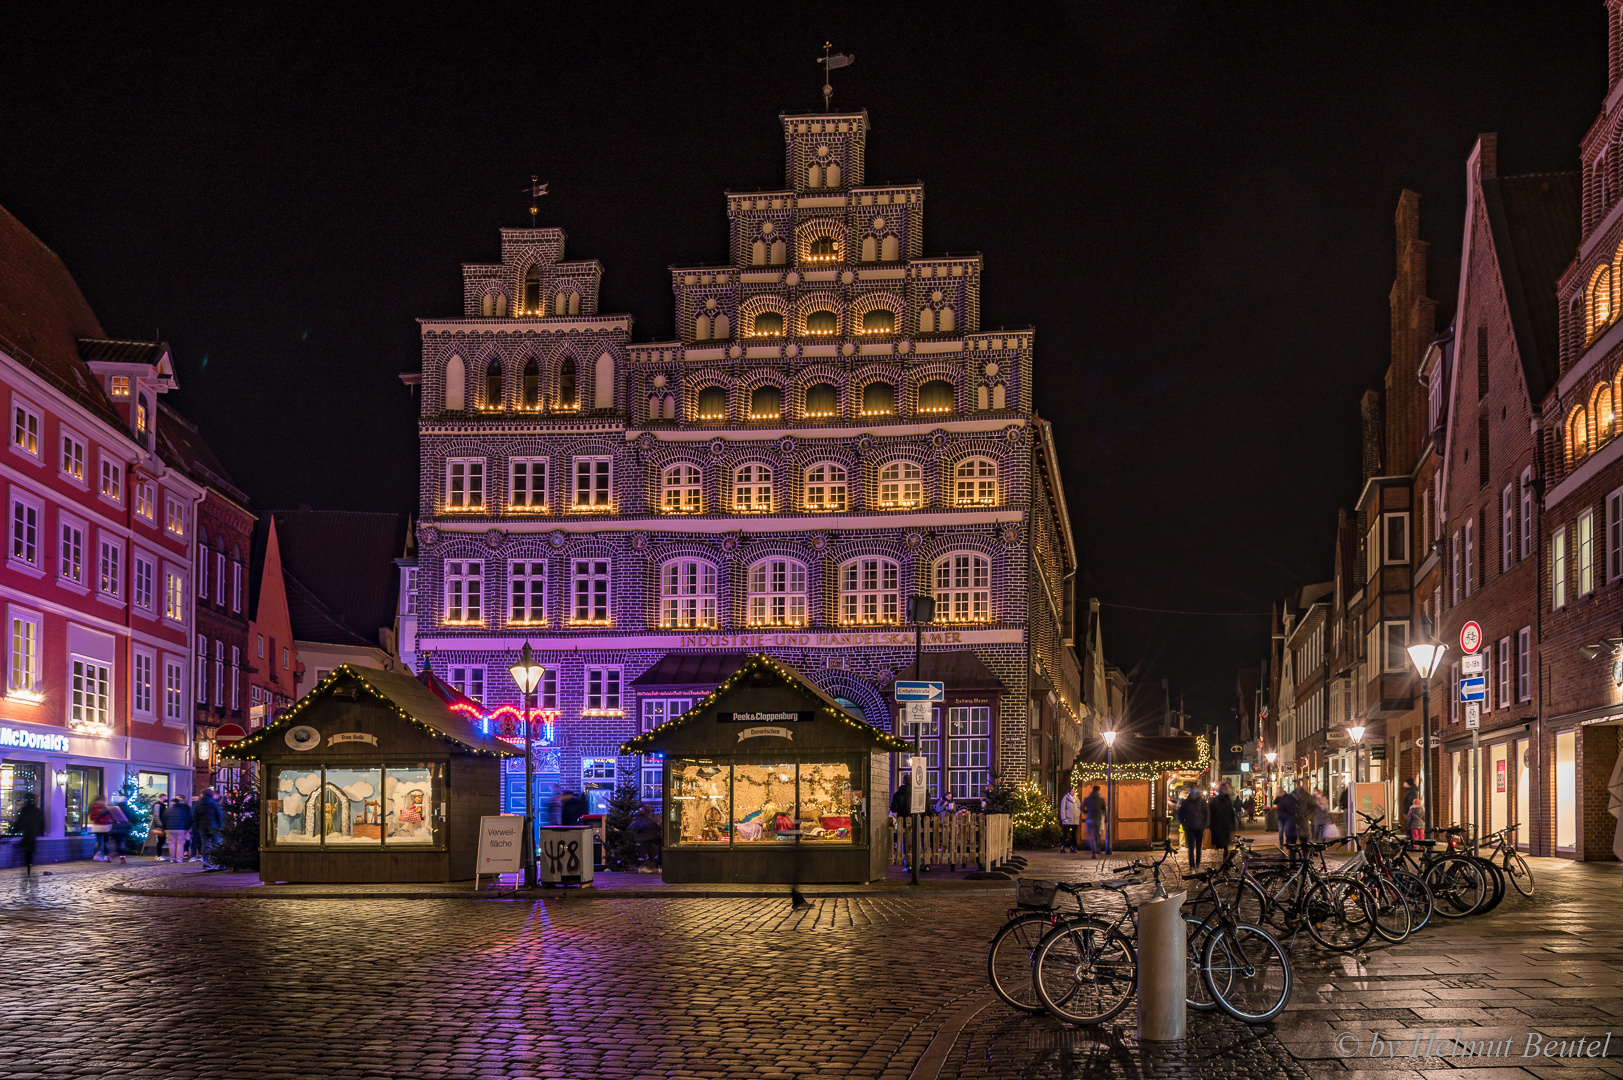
pixel 1470 637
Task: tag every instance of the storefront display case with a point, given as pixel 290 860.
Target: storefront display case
pixel 372 778
pixel 767 780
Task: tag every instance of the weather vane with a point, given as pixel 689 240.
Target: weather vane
pixel 535 191
pixel 830 62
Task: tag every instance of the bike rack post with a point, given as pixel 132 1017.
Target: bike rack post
pixel 1163 970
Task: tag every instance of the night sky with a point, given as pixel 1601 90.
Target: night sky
pixel 1192 203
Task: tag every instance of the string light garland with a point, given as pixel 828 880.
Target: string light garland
pixel 1094 771
pixel 257 739
pixel 757 662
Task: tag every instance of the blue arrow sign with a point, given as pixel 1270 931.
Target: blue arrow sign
pixel 921 691
pixel 1475 689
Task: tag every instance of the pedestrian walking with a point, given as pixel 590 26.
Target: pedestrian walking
pixel 121 828
pixel 177 827
pixel 571 809
pixel 1301 814
pixel 29 824
pixel 1416 821
pixel 1285 809
pixel 155 834
pixel 1224 819
pixel 1093 809
pixel 101 827
pixel 1194 815
pixel 1321 814
pixel 901 804
pixel 1411 792
pixel 207 821
pixel 1070 816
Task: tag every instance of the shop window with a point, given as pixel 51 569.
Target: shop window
pixel 822 402
pixel 969 753
pixel 152 784
pixel 83 787
pixel 19 782
pixel 1566 789
pixel 764 802
pixel 777 593
pixel 700 810
pixel 351 810
pixel 597 778
pixel 408 793
pixel 353 806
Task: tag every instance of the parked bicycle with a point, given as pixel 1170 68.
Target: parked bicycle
pixel 1511 863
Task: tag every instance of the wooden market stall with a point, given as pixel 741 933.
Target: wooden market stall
pixel 767 780
pixel 371 777
pixel 1145 771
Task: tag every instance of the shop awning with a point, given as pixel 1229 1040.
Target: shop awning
pixel 690 671
pixel 962 670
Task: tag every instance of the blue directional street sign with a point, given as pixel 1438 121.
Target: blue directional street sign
pixel 1474 688
pixel 920 691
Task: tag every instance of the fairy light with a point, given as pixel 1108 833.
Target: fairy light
pixel 1143 770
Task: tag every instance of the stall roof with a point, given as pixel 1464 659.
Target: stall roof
pixel 690 671
pixel 755 662
pixel 410 698
pixel 961 670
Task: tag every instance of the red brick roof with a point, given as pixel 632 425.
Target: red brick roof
pixel 43 315
pixel 1535 222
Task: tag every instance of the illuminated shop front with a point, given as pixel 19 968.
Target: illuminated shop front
pixel 767 779
pixel 1146 774
pixel 372 778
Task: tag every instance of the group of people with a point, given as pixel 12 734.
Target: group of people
pixel 1074 812
pixel 186 832
pixel 1198 815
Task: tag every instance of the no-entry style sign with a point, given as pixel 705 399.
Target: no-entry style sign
pixel 1470 637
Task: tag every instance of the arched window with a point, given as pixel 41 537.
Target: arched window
pixel 574 303
pixel 778 252
pixel 558 304
pixel 721 329
pixel 688 594
pixel 567 398
pixel 1578 433
pixel 976 483
pixel 822 401
pixel 900 485
pixel 963 588
pixel 501 306
pixel 777 593
pixel 869 591
pixel 487 305
pixel 878 399
pixel 870 249
pixel 878 321
pixel 532 292
pixel 947 321
pixel 766 324
pixel 888 249
pixel 766 403
pixel 927 321
pixel 831 176
pixel 1600 299
pixel 752 489
pixel 603 382
pixel 1600 407
pixel 712 403
pixel 682 489
pixel 825 487
pixel 936 397
pixel 455 384
pixel 758 253
pixel 822 322
pixel 814 176
pixel 701 327
pixel 530 385
pixel 823 249
pixel 999 396
pixel 493 385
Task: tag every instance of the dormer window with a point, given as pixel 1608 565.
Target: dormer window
pixel 141 417
pixel 118 386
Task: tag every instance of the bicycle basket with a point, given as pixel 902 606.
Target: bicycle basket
pixel 1035 894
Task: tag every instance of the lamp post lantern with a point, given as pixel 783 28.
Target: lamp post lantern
pixel 527 675
pixel 1110 787
pixel 1425 654
pixel 1355 732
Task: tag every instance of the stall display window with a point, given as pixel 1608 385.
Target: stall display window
pixel 18 781
pixel 295 807
pixel 700 800
pixel 408 799
pixel 829 800
pixel 765 809
pixel 83 788
pixel 351 808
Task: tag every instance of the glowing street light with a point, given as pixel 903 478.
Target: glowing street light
pixel 527 675
pixel 1426 654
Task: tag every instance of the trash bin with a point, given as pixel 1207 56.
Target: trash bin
pixel 566 855
pixel 1270 818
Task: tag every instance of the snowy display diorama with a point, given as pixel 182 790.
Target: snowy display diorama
pixel 353 805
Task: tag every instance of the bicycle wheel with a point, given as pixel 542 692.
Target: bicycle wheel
pixel 1496 883
pixel 1457 886
pixel 1419 897
pixel 1008 961
pixel 1519 873
pixel 1338 913
pixel 1248 972
pixel 1240 896
pixel 1393 920
pixel 1085 971
pixel 1196 992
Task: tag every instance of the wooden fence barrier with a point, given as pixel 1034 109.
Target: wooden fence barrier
pixel 956 840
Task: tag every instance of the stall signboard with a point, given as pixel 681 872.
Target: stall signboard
pixel 921 785
pixel 501 844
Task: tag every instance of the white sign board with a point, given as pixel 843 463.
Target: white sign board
pixel 1473 715
pixel 920 691
pixel 916 712
pixel 501 844
pixel 1473 664
pixel 921 785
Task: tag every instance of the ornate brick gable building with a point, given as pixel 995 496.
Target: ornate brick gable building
pixel 831 432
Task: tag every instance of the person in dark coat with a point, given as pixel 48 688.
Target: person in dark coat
pixel 572 809
pixel 1224 819
pixel 30 823
pixel 901 805
pixel 207 819
pixel 1285 809
pixel 1194 815
pixel 177 827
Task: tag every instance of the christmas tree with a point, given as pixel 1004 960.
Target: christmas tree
pixel 619 847
pixel 237 846
pixel 1035 822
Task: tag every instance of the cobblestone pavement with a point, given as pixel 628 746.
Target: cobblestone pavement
pixel 103 984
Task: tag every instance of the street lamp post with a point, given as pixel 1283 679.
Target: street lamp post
pixel 1110 787
pixel 527 674
pixel 1355 732
pixel 1425 655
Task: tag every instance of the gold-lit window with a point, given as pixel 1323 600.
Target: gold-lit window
pixel 777 593
pixel 1600 407
pixel 119 386
pixel 822 402
pixel 825 488
pixel 683 490
pixel 878 399
pixel 712 403
pixel 766 324
pixel 936 397
pixel 1578 434
pixel 976 483
pixel 901 485
pixel 822 323
pixel 752 489
pixel 1599 297
pixel 869 592
pixel 823 249
pixel 879 321
pixel 766 403
pixel 963 588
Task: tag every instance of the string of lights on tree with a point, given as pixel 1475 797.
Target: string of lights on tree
pixel 757 662
pixel 1090 771
pixel 287 719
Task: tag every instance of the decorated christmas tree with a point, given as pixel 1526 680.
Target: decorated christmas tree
pixel 237 847
pixel 1035 822
pixel 619 847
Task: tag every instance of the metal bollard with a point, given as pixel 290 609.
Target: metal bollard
pixel 1163 970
